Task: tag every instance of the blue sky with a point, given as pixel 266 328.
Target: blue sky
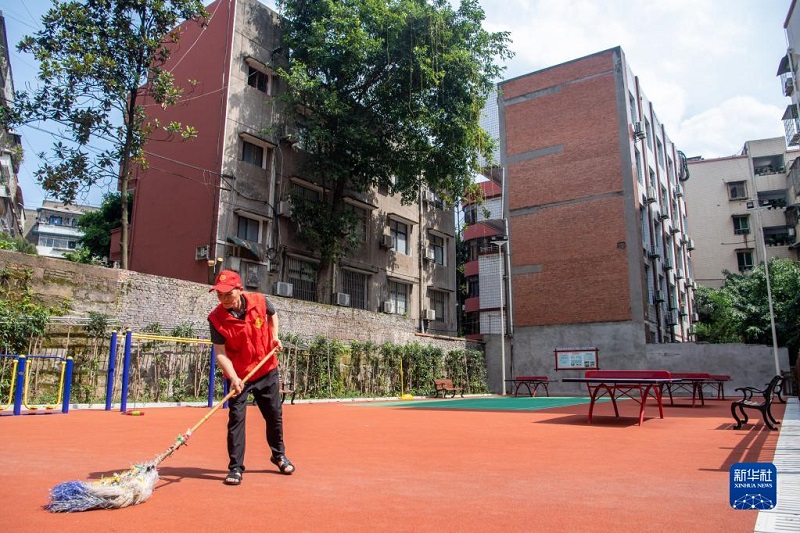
pixel 708 66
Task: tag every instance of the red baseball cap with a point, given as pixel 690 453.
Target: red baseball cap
pixel 227 280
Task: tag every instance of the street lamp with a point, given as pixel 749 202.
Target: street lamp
pixel 499 241
pixel 751 205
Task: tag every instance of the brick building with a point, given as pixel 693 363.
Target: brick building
pixel 599 247
pixel 223 199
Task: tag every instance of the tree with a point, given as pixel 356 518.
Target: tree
pixel 384 93
pixel 739 311
pixel 16 244
pixel 97 227
pixel 98 62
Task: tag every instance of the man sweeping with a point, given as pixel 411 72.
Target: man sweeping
pixel 244 328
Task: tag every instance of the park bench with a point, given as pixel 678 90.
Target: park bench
pixel 285 390
pixel 446 386
pixel 759 399
pixel 531 383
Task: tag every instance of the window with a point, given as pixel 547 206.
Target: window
pixel 437 245
pixel 248 229
pixel 258 79
pixel 439 304
pixel 399 231
pixel 737 190
pixel 473 287
pixel 303 277
pixel 253 154
pixel 470 214
pixel 355 284
pixel 632 105
pixel 660 152
pixel 639 174
pixel 649 132
pixel 55 221
pixel 305 193
pixel 398 295
pixel 360 228
pixel 741 225
pixel 745 260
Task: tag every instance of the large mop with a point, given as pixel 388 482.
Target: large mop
pixel 132 486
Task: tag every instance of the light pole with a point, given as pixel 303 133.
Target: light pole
pixel 757 209
pixel 499 241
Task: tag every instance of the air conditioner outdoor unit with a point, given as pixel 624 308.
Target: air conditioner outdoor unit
pixel 659 296
pixel 201 253
pixel 284 289
pixel 387 241
pixel 667 264
pixel 679 273
pixel 429 314
pixel 690 244
pixel 387 307
pixel 678 191
pixel 285 208
pixel 428 196
pixel 674 230
pixel 652 196
pixel 341 298
pixel 638 131
pixel 429 254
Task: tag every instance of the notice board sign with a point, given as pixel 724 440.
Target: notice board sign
pixel 576 359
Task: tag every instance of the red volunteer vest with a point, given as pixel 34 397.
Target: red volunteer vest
pixel 246 341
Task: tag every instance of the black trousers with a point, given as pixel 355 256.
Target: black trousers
pixel 265 393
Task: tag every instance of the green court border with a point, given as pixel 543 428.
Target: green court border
pixel 495 403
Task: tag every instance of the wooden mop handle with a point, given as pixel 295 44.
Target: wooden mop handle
pixel 182 439
pixel 232 393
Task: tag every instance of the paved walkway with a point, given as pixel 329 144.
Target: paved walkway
pixel 785 517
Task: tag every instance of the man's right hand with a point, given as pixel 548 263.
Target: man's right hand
pixel 237 385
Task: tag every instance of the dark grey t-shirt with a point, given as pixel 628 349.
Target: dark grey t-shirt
pixel 218 338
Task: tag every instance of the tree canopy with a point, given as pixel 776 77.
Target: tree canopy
pixel 385 93
pixel 98 61
pixel 739 311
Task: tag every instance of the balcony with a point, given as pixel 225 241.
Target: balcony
pixel 791 125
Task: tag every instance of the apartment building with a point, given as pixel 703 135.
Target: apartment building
pixel 222 200
pixel 55 228
pixel 740 210
pixel 484 238
pixel 12 213
pixel 599 243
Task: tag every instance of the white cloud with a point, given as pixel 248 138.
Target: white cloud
pixel 722 130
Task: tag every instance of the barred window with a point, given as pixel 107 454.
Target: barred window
pixel 355 284
pixel 437 245
pixel 439 304
pixel 303 277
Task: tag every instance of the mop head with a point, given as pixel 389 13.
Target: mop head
pixel 120 490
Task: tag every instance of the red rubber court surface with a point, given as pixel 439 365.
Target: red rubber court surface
pixel 375 467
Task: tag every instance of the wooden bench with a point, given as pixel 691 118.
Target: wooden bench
pixel 284 391
pixel 446 386
pixel 762 402
pixel 528 382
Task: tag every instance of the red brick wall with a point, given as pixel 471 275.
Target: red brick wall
pixel 569 206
